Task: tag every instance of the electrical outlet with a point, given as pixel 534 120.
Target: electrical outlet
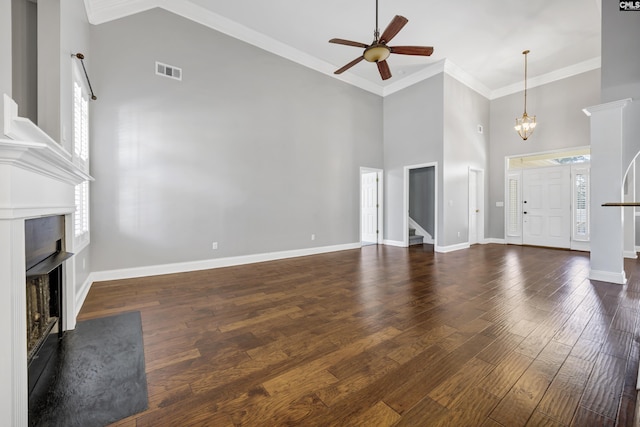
pixel 313 237
pixel 214 245
pixel 458 234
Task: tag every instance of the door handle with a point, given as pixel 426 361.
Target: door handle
pixel 477 210
pixel 525 212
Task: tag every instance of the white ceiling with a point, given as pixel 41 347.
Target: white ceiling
pixel 478 41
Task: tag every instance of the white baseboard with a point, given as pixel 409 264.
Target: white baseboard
pixel 183 267
pixel 494 240
pixel 608 276
pixel 451 248
pixel 630 254
pixel 394 243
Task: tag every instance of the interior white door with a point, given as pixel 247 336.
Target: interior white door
pixel 546 207
pixel 474 208
pixel 369 207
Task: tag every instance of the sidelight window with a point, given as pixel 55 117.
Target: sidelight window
pixel 581 204
pixel 514 209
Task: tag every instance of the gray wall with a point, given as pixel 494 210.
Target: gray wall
pixel 413 134
pixel 621 63
pixel 49 72
pixel 5 53
pixel 464 148
pixel 25 57
pixel 422 184
pixel 561 124
pixel 250 150
pixel 63 29
pixel 620 58
pixel 74 38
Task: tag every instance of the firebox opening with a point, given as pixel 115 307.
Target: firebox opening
pixel 45 253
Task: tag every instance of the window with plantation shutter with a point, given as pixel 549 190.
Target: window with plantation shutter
pixel 81 222
pixel 80 123
pixel 81 158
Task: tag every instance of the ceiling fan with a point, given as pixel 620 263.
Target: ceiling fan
pixel 378 51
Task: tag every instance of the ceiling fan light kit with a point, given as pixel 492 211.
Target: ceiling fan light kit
pixel 378 51
pixel 525 124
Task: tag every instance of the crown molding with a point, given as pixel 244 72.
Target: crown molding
pixel 467 79
pixel 203 16
pixel 102 11
pixel 442 66
pixel 411 79
pixel 562 73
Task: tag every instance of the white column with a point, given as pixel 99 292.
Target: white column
pixel 607 258
pixel 13 353
pixel 630 214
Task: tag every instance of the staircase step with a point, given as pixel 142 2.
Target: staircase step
pixel 416 240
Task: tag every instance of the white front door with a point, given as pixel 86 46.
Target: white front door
pixel 546 207
pixel 369 207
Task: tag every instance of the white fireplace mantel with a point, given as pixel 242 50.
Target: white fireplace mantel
pixel 37 178
pixel 30 148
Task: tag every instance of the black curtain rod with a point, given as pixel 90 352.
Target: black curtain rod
pixel 81 58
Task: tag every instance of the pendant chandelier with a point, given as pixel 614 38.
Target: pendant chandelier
pixel 525 124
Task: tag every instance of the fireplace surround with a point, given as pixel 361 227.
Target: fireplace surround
pixel 37 179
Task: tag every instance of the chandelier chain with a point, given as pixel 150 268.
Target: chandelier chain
pixel 525 80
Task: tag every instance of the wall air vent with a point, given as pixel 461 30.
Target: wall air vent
pixel 168 71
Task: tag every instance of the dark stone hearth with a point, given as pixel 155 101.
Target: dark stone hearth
pixel 98 376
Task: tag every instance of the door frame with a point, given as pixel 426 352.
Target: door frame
pixel 517 172
pixel 405 202
pixel 479 190
pixel 380 197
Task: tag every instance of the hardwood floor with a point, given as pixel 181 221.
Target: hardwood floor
pixel 380 336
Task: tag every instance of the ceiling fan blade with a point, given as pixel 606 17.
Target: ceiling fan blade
pixel 348 43
pixel 385 72
pixel 349 65
pixel 412 50
pixel 393 28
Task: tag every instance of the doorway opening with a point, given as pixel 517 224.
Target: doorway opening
pixel 420 204
pixel 371 208
pixel 547 199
